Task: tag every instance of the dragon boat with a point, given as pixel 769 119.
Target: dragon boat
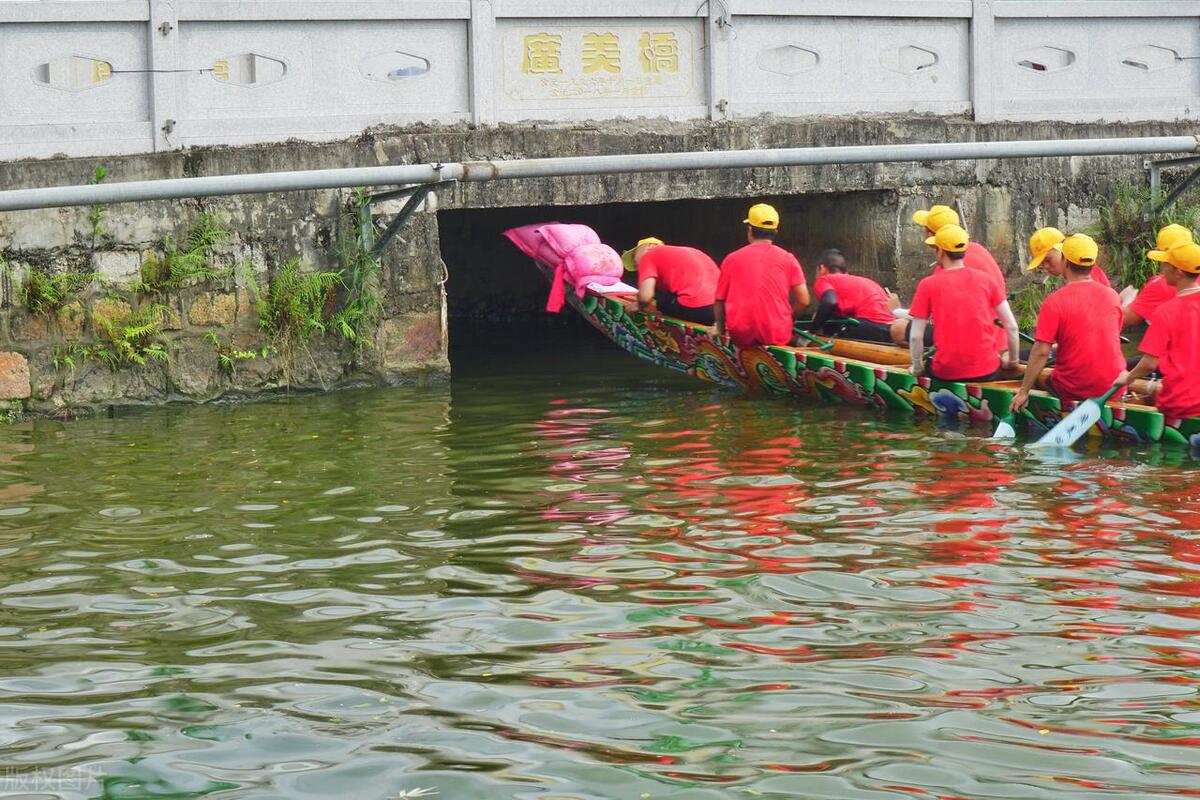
pixel 841 370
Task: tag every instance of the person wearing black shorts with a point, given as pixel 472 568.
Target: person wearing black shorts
pixel 849 306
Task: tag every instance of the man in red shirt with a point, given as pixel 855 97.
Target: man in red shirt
pixel 761 288
pixel 1084 319
pixel 840 294
pixel 1171 344
pixel 976 258
pixel 1045 245
pixel 680 281
pixel 962 308
pixel 1156 291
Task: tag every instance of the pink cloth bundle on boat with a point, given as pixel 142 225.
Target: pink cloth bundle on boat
pixel 530 241
pixel 593 263
pixel 576 254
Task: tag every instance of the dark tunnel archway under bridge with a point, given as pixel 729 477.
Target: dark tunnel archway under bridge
pixel 492 284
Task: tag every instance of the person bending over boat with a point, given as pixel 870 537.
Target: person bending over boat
pixel 976 258
pixel 761 288
pixel 1171 344
pixel 680 281
pixel 1156 291
pixel 1045 245
pixel 962 308
pixel 1084 319
pixel 841 295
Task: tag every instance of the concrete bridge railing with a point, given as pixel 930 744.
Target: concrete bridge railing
pixel 109 77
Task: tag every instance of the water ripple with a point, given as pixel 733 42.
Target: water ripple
pixel 616 585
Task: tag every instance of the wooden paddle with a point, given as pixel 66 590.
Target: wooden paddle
pixel 1026 337
pixel 1076 424
pixel 1005 429
pixel 821 343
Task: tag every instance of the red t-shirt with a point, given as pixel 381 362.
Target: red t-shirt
pixel 1172 339
pixel 978 258
pixel 962 308
pixel 1156 292
pixel 856 296
pixel 685 272
pixel 1099 276
pixel 755 285
pixel 1084 318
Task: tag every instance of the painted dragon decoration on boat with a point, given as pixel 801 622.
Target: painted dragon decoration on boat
pixel 811 372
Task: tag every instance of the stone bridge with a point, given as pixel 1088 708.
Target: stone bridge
pixel 185 88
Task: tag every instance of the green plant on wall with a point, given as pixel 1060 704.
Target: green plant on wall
pixel 296 305
pixel 129 336
pixel 70 355
pixel 1027 302
pixel 124 337
pixel 299 303
pixel 228 356
pixel 362 306
pixel 44 293
pixel 1126 225
pixel 193 261
pixel 96 212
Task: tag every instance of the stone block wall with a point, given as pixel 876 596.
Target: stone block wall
pixel 48 366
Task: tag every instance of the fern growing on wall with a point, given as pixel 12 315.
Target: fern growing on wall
pixel 43 292
pixel 1126 226
pixel 191 262
pixel 296 305
pixel 129 337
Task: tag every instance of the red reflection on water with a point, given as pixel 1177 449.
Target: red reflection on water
pixel 732 501
pixel 965 479
pixel 900 787
pixel 713 472
pixel 762 649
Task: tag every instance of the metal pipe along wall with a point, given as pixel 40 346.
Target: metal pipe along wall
pixel 257 183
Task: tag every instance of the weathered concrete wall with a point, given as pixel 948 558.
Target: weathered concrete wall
pixel 863 208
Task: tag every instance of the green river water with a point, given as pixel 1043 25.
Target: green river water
pixel 571 575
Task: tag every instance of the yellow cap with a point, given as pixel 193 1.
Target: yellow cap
pixel 1169 236
pixel 1184 256
pixel 628 257
pixel 1041 243
pixel 936 217
pixel 763 216
pixel 950 238
pixel 1080 249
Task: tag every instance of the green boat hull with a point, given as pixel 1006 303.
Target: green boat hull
pixel 808 372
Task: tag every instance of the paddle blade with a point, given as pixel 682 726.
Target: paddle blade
pixel 1005 429
pixel 1074 425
